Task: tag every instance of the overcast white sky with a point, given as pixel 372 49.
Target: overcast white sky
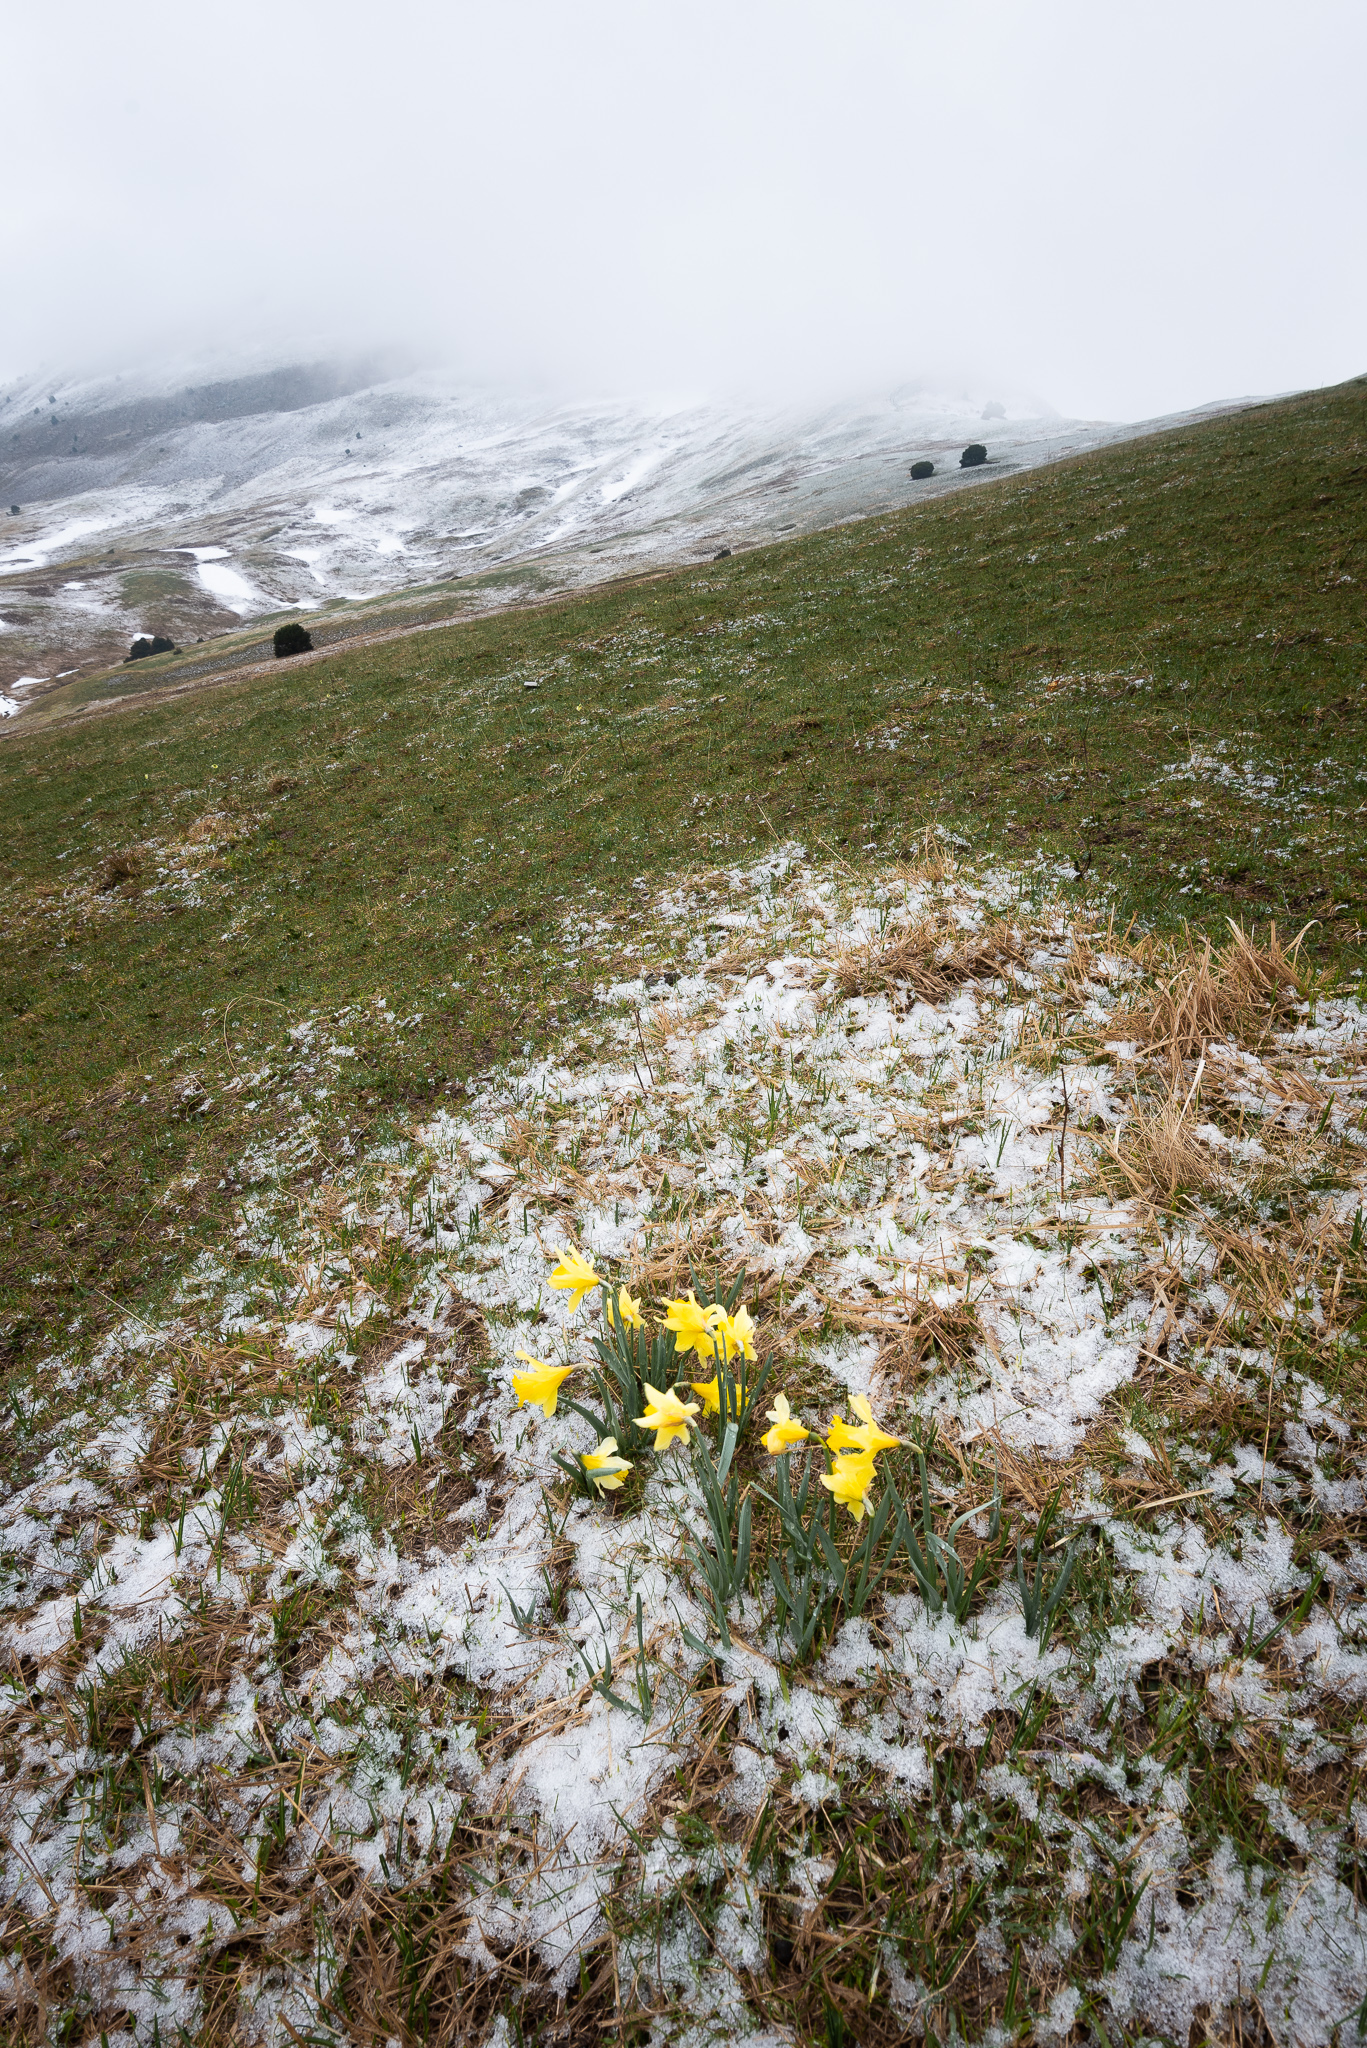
pixel 1126 208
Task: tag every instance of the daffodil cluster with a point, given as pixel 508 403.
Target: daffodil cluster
pixel 713 1334
pixel 716 1334
pixel 853 1448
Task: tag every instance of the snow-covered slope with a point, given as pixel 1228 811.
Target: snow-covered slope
pixel 156 506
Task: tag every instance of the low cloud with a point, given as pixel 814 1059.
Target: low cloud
pixel 1130 212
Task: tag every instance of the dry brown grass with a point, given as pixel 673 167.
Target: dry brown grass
pixel 1043 1040
pixel 914 1335
pixel 1080 970
pixel 691 1242
pixel 42 1986
pixel 1156 1155
pixel 118 869
pixel 740 957
pixel 1026 1479
pixel 1237 993
pixel 1310 1255
pixel 211 827
pixel 932 957
pixel 933 863
pixel 664 1020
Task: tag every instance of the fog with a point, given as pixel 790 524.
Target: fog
pixel 1126 210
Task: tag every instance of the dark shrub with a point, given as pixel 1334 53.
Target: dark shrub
pixel 920 469
pixel 291 639
pixel 721 554
pixel 973 455
pixel 142 647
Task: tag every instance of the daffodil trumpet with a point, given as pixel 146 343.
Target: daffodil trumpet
pixel 690 1324
pixel 667 1415
pixel 785 1432
pixel 850 1480
pixel 864 1437
pixel 539 1386
pixel 624 1310
pixel 575 1273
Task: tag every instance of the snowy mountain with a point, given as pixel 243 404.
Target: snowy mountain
pixel 151 505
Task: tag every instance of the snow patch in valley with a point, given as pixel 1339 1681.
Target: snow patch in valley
pixel 231 588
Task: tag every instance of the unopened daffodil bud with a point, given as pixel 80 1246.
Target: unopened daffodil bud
pixel 603 1467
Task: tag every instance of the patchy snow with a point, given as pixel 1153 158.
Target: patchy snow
pixel 225 583
pixel 394 1613
pixel 424 478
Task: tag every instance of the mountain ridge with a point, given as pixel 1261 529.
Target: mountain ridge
pixel 303 489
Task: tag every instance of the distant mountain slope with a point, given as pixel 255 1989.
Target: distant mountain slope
pixel 185 509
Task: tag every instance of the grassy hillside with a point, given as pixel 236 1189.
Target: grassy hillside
pixel 1147 662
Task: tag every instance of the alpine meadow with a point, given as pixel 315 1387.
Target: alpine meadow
pixel 683 1287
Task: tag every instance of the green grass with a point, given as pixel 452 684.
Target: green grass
pixel 154 586
pixel 411 816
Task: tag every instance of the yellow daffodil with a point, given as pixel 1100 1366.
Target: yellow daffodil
pixel 785 1432
pixel 850 1480
pixel 603 1467
pixel 575 1273
pixel 874 1438
pixel 541 1386
pixel 711 1398
pixel 743 1332
pixel 667 1415
pixel 691 1324
pixel 865 1438
pixel 628 1311
pixel 721 1336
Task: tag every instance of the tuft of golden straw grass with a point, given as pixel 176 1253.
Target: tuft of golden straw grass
pixel 934 861
pixel 932 956
pixel 1156 1154
pixel 910 1341
pixel 118 868
pixel 1236 993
